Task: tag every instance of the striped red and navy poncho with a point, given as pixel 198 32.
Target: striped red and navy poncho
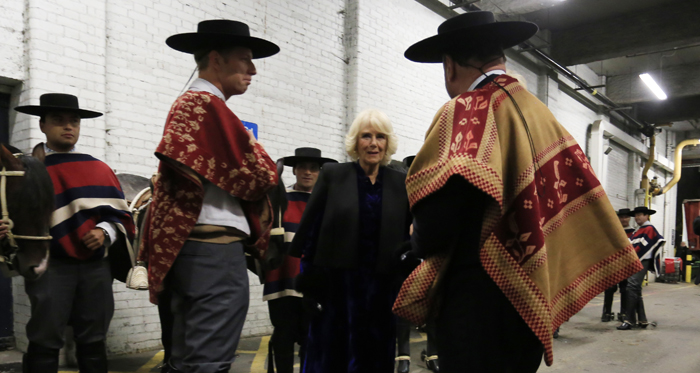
pixel 647 241
pixel 280 282
pixel 87 193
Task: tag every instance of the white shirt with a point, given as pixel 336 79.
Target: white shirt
pixel 219 207
pixel 482 77
pixel 109 227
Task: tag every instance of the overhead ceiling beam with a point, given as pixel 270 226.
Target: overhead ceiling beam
pixel 670 110
pixel 653 29
pixel 676 81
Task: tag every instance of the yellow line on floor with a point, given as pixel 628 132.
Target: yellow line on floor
pixel 258 365
pixel 151 363
pixel 251 352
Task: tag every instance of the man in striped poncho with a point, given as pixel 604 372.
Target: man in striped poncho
pixel 90 221
pixel 285 303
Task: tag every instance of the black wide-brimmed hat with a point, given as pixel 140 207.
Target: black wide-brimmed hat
pixel 470 30
pixel 625 212
pixel 643 209
pixel 57 102
pixel 408 161
pixel 220 33
pixel 307 155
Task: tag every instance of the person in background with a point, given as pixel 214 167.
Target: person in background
pixel 624 215
pixel 647 241
pixel 355 219
pixel 287 314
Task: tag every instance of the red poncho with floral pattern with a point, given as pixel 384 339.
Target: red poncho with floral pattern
pixel 203 140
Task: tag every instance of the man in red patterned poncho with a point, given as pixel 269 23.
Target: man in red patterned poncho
pixel 209 199
pixel 512 212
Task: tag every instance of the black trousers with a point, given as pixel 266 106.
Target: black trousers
pixel 610 294
pixel 479 330
pixel 166 322
pixel 291 325
pixel 403 337
pixel 635 302
pixel 71 292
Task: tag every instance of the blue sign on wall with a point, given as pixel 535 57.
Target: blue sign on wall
pixel 252 126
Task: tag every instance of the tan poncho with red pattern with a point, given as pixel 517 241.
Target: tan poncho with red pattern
pixel 550 238
pixel 203 139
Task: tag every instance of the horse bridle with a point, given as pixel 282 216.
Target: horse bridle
pixel 11 239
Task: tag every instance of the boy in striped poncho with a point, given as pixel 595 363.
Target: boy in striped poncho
pixel 285 303
pixel 647 241
pixel 91 221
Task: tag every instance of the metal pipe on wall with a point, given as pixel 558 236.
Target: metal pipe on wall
pixel 678 160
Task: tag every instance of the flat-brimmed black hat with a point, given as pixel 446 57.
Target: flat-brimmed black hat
pixel 643 209
pixel 625 212
pixel 220 33
pixel 57 102
pixel 470 30
pixel 307 155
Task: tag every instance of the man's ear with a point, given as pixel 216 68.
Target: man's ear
pixel 215 59
pixel 9 161
pixel 448 65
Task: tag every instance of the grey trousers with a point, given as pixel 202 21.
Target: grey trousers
pixel 210 295
pixel 71 292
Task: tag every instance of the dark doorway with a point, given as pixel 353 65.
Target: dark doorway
pixel 6 318
pixel 4 118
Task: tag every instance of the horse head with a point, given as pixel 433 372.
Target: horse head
pixel 29 195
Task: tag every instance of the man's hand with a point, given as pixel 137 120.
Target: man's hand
pixel 94 239
pixel 4 228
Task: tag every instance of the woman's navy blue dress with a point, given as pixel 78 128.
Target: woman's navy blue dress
pixel 355 332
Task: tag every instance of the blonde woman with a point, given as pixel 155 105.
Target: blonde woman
pixel 355 219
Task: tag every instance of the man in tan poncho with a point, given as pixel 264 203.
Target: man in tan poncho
pixel 518 232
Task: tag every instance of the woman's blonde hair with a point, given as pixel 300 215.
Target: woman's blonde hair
pixel 380 122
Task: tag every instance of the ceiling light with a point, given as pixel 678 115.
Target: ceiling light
pixel 651 83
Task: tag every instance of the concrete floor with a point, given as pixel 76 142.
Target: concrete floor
pixel 585 344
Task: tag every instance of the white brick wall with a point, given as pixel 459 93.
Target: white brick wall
pixel 12 43
pixel 337 58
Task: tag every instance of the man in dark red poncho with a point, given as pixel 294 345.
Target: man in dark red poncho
pixel 209 200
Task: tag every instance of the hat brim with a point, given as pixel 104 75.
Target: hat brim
pixel 293 161
pixel 505 34
pixel 628 214
pixel 41 110
pixel 192 42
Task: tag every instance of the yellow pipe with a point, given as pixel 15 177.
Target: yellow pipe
pixel 644 184
pixel 677 166
pixel 688 268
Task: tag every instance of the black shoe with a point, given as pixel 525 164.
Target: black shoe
pixel 643 325
pixel 555 335
pixel 625 326
pixel 607 317
pixel 402 366
pixel 433 365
